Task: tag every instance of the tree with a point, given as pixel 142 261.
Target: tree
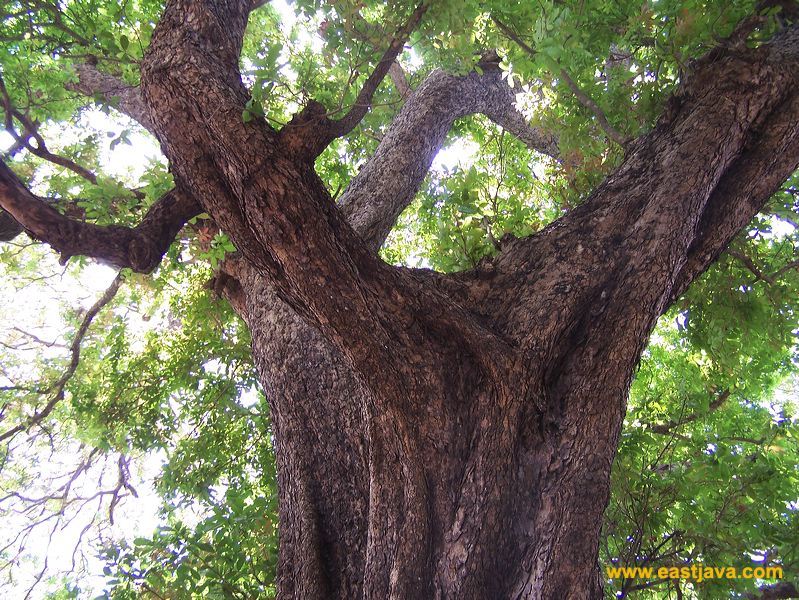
pixel 436 434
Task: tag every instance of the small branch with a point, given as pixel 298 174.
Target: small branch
pixel 31 132
pixel 364 99
pixel 581 96
pixel 311 130
pixel 373 36
pixel 791 265
pixel 751 266
pixel 57 389
pixel 588 103
pixel 670 425
pixel 36 338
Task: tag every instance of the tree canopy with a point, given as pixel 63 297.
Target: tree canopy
pixel 150 383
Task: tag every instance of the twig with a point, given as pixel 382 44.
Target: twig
pixel 581 96
pixel 750 264
pixel 295 133
pixel 669 425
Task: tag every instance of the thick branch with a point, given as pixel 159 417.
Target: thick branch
pixel 391 178
pixel 597 279
pixel 122 96
pixel 745 188
pixel 139 248
pixel 278 214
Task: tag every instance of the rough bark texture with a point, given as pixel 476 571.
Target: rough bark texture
pixel 140 248
pixel 124 97
pixel 452 436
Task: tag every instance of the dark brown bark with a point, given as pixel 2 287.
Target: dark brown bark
pixel 577 303
pixel 139 248
pixel 452 436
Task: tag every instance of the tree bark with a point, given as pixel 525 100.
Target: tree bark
pixel 514 460
pixel 451 436
pixel 492 482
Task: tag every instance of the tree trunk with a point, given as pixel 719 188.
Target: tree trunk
pixel 483 472
pixel 450 436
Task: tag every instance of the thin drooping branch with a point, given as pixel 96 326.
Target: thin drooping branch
pixel 122 96
pixel 139 248
pixel 31 133
pixel 583 98
pixel 56 390
pixel 388 182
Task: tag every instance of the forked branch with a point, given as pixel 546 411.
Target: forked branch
pixel 391 178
